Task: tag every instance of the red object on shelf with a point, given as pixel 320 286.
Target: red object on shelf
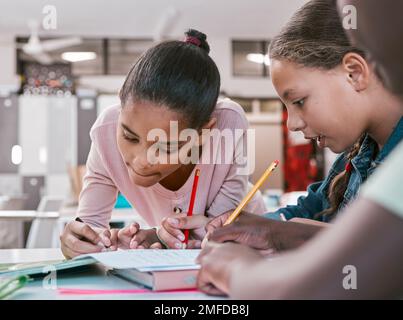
pixel 300 166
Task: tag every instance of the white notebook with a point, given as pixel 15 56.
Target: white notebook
pixel 141 260
pixel 147 260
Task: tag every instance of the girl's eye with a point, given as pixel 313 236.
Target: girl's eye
pixel 133 140
pixel 299 103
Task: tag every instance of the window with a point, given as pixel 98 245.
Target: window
pixel 88 58
pixel 249 58
pixel 109 56
pixel 260 106
pixel 123 53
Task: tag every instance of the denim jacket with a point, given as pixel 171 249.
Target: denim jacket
pixel 363 165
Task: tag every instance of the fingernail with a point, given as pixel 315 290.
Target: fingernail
pixel 178 245
pixel 173 221
pixel 133 244
pixel 181 237
pixel 106 241
pixel 100 244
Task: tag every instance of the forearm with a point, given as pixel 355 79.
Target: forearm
pixel 370 240
pixel 291 235
pixel 367 237
pixel 263 279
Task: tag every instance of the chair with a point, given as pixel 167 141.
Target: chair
pixel 42 231
pixel 12 229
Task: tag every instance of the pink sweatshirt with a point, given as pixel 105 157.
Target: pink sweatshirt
pixel 220 188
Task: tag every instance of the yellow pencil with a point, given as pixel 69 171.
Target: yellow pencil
pixel 251 193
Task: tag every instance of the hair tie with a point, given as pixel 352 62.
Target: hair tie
pixel 193 40
pixel 349 167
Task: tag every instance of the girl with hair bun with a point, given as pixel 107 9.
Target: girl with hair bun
pixel 173 81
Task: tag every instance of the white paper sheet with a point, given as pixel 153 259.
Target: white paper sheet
pixel 148 260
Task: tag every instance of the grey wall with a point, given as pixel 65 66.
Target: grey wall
pixel 86 116
pixel 53 133
pixel 60 139
pixel 8 132
pixel 32 187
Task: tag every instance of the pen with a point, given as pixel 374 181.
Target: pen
pixel 100 243
pixel 251 193
pixel 192 201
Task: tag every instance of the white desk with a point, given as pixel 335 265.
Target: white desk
pixel 12 221
pixel 29 255
pixel 21 215
pixel 118 215
pixel 94 277
pixel 58 220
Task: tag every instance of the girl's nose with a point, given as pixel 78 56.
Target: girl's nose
pixel 295 122
pixel 141 161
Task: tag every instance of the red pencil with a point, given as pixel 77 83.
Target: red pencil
pixel 192 202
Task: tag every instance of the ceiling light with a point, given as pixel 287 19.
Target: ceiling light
pixel 78 56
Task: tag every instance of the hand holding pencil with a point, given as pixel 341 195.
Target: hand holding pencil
pixel 251 193
pixel 174 231
pixel 223 220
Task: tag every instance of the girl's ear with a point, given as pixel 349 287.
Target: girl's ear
pixel 357 71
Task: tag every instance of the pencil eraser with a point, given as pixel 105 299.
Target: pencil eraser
pixel 277 162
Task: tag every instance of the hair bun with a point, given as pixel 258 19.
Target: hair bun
pixel 198 39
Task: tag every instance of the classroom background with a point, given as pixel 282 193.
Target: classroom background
pixel 63 62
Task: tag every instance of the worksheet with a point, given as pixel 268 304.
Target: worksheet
pixel 147 259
